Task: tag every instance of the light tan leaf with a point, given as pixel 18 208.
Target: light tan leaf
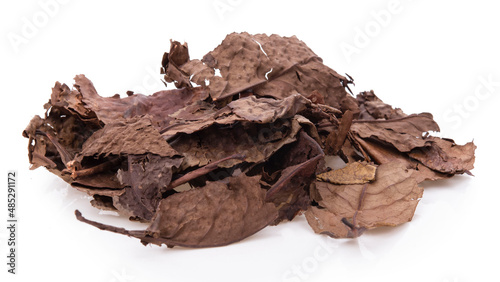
pixel 352 173
pixel 322 221
pixel 388 201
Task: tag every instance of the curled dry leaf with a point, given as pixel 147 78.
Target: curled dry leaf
pixel 246 133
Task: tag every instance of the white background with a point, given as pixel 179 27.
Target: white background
pixel 429 56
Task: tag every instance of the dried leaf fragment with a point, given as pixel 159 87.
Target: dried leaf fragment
pixel 352 173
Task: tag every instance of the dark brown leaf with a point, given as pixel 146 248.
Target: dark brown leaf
pixel 215 215
pixel 290 193
pixel 146 179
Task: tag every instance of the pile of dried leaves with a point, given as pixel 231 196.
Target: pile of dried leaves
pixel 248 128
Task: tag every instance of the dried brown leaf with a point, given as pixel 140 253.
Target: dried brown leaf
pixel 272 66
pixel 255 141
pixel 290 193
pixel 134 136
pixel 267 110
pixel 372 108
pixel 201 115
pixel 390 200
pixel 63 97
pixel 404 133
pixel 336 138
pixel 146 179
pixel 177 56
pixel 445 156
pixel 215 215
pixel 381 154
pixel 159 105
pixel 322 221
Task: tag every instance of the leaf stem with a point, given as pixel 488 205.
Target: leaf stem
pixel 202 171
pixel 95 169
